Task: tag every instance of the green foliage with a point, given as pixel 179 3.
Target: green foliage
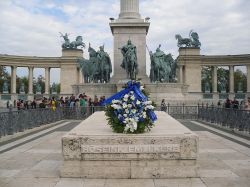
pixel 119 127
pixel 21 80
pixel 222 73
pixel 240 77
pixel 4 75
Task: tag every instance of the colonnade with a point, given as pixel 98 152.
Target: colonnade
pixel 30 80
pixel 181 78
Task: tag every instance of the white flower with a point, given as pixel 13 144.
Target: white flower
pixel 136 119
pixel 114 101
pixel 148 102
pixel 125 115
pixel 130 106
pixel 141 88
pixel 138 102
pixel 134 111
pixel 149 107
pixel 124 105
pixel 125 96
pixel 144 115
pixel 126 110
pixel 131 92
pixel 135 125
pixel 133 97
pixel 115 106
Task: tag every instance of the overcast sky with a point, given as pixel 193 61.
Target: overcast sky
pixel 31 27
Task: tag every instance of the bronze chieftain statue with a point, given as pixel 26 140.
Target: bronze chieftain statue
pixel 98 68
pixel 192 41
pixel 129 62
pixel 163 67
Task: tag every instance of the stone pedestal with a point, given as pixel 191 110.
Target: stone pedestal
pixel 158 91
pixel 69 69
pixel 92 150
pixel 72 53
pixel 93 89
pixel 190 60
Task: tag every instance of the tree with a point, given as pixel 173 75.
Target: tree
pixel 223 78
pixel 23 80
pixel 206 77
pixel 41 81
pixel 240 77
pixel 4 75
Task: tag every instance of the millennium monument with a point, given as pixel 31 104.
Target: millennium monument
pixel 177 80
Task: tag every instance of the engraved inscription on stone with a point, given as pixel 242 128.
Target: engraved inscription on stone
pixel 168 148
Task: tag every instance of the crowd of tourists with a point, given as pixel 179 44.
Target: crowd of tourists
pixel 73 101
pixel 235 104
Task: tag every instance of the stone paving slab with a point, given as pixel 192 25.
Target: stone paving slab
pixel 222 163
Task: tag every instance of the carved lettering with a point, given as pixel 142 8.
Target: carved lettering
pixel 168 148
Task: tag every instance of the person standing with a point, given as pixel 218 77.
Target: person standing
pixel 53 104
pixel 163 105
pixel 247 104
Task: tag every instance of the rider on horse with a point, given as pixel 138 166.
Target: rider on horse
pixel 129 62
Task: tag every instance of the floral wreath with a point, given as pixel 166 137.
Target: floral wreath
pixel 132 112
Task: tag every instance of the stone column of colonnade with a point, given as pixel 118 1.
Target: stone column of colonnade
pixel 47 80
pixel 248 80
pixel 31 69
pixel 13 79
pixel 180 79
pixel 231 79
pixel 214 79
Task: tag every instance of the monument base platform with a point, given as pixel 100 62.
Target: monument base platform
pixel 92 150
pixel 158 91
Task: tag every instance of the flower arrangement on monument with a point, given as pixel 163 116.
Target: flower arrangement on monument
pixel 130 111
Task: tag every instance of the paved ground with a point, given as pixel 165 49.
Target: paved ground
pixel 224 161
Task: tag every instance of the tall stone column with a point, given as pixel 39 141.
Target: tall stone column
pixel 31 80
pixel 129 9
pixel 80 76
pixel 231 79
pixel 215 79
pixel 47 80
pixel 248 79
pixel 13 79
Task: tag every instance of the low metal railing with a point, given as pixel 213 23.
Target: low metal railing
pixel 21 120
pixel 18 121
pixel 233 119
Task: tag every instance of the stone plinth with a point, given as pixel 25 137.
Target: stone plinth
pixel 93 89
pixel 190 61
pixel 92 150
pixel 72 53
pixel 158 91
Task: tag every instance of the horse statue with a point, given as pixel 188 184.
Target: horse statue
pixel 72 45
pixel 183 42
pixel 98 68
pixel 192 41
pixel 195 39
pixel 161 66
pixel 129 62
pixel 77 42
pixel 66 43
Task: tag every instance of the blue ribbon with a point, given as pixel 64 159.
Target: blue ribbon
pixel 135 87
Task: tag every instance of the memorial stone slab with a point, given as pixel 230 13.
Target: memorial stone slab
pixel 92 150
